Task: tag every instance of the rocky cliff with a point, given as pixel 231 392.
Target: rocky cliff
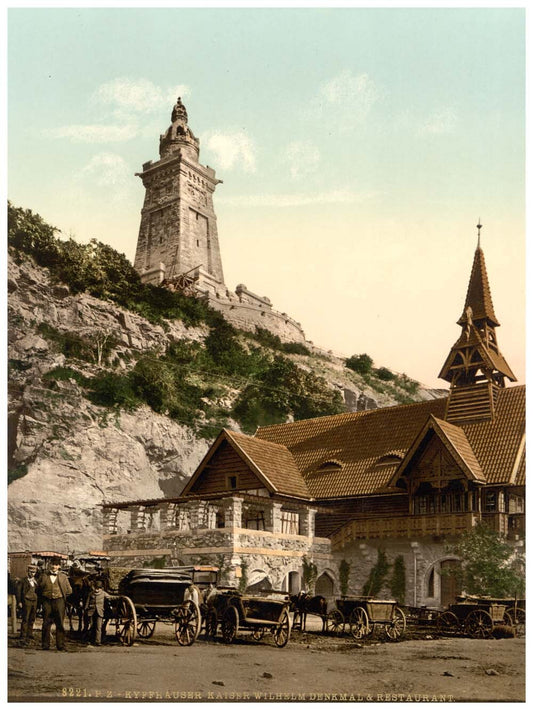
pixel 66 454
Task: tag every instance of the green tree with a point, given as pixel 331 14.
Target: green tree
pixel 344 576
pixel 489 566
pixel 362 364
pixel 397 581
pixel 309 574
pixel 28 232
pixel 378 574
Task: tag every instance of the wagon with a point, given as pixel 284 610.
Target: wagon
pixel 253 614
pixel 363 614
pixel 173 596
pixel 477 617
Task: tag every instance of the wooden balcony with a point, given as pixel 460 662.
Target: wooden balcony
pixel 449 524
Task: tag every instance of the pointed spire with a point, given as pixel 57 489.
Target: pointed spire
pixel 478 297
pixel 475 367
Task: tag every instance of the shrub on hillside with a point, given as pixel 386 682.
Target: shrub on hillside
pixel 384 374
pixel 362 364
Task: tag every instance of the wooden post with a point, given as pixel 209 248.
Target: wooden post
pixel 13 612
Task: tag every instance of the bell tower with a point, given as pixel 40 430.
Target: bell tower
pixel 475 367
pixel 178 231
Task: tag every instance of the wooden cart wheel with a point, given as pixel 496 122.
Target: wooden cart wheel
pixel 447 623
pixel 187 623
pixel 335 622
pixel 359 624
pixel 258 633
pixel 282 632
pixel 145 628
pixel 517 619
pixel 230 624
pixel 397 626
pixel 125 621
pixel 478 624
pixel 211 624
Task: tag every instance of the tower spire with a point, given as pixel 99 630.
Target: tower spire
pixel 475 367
pixel 479 225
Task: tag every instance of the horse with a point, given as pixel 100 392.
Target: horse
pixel 82 584
pixel 303 604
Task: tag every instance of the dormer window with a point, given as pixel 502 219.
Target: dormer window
pixel 330 466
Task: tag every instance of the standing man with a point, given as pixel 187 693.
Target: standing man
pixel 27 601
pixel 54 588
pixel 95 611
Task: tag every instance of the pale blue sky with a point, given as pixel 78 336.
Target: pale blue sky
pixel 357 148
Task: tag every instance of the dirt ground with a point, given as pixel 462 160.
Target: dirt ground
pixel 312 667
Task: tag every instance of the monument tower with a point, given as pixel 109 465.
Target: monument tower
pixel 178 231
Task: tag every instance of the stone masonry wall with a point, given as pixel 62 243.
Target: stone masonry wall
pixel 235 551
pixel 419 557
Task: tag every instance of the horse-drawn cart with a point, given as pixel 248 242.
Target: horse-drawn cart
pixel 165 595
pixel 255 614
pixel 363 614
pixel 477 617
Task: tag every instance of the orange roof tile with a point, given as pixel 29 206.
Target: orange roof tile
pixel 357 441
pixel 275 462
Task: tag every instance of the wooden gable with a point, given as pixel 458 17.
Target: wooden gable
pixel 431 467
pixel 225 471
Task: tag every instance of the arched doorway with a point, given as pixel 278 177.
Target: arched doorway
pixel 449 587
pixel 258 581
pixel 324 585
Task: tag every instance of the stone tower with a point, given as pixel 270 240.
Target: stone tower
pixel 178 232
pixel 475 367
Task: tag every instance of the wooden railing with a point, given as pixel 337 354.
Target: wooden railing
pixel 404 526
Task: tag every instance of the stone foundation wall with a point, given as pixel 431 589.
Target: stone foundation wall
pixel 236 551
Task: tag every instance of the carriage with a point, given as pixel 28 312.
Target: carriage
pixel 363 615
pixel 477 617
pixel 173 596
pixel 254 614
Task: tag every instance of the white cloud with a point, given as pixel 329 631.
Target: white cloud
pixel 299 199
pixel 303 158
pixel 95 133
pixel 443 121
pixel 353 95
pixel 137 96
pixel 108 171
pixel 231 150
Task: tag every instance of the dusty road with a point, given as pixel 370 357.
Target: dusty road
pixel 311 668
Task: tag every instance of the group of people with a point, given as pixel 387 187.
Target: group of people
pixel 50 588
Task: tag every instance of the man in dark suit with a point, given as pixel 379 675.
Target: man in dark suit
pixel 95 611
pixel 27 601
pixel 54 588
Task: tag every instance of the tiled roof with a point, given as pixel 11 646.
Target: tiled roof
pixel 274 462
pixel 359 440
pixel 497 443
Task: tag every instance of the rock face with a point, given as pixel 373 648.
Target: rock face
pixel 66 455
pixel 78 455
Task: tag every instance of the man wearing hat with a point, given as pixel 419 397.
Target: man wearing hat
pixel 54 588
pixel 27 601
